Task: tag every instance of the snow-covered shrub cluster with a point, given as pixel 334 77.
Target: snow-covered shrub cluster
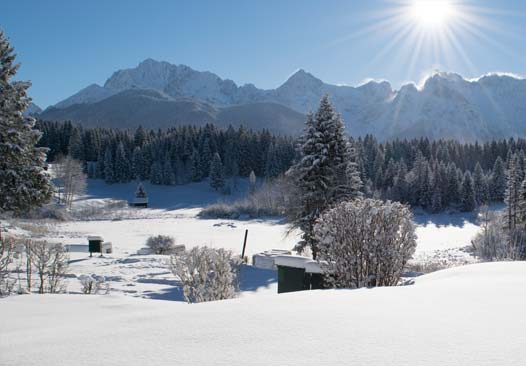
pixel 7 252
pixel 50 262
pixel 25 264
pixel 365 242
pixel 269 200
pixel 491 242
pixel 93 284
pixel 70 179
pixel 161 244
pixel 207 274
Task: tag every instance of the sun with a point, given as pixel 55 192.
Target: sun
pixel 432 14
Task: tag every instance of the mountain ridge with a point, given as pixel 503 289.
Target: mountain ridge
pixel 445 105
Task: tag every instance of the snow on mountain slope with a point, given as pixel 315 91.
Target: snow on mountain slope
pixel 447 105
pixel 91 94
pixel 176 81
pixel 470 315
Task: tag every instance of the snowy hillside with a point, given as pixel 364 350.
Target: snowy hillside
pixel 445 106
pixel 471 315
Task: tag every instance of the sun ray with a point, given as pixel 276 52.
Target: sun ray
pixel 433 33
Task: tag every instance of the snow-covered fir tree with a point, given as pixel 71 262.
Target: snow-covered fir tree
pixel 498 181
pixel 109 170
pixel 217 178
pixel 468 201
pixel 513 192
pixel 121 165
pixel 480 185
pixel 138 163
pixel 325 173
pixel 24 182
pixel 156 175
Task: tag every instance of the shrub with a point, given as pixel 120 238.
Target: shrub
pixel 92 284
pixel 365 242
pixel 270 200
pixel 51 263
pixel 206 274
pixel 7 251
pixel 494 242
pixel 161 244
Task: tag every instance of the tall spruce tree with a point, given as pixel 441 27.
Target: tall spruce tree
pixel 217 175
pixel 480 185
pixel 109 169
pixel 325 173
pixel 467 194
pixel 498 181
pixel 513 192
pixel 24 182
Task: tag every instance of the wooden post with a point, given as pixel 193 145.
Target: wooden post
pixel 244 245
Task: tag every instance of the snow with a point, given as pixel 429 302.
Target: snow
pixel 471 315
pixel 173 211
pixel 294 261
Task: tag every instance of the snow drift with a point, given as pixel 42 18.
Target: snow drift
pixel 470 315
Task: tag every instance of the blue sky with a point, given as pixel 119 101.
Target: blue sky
pixel 66 45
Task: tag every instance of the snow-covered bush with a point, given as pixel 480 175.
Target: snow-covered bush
pixel 365 242
pixel 7 251
pixel 92 284
pixel 491 242
pixel 51 263
pixel 161 244
pixel 206 274
pixel 269 200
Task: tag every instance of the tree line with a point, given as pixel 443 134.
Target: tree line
pixel 174 156
pixel 435 175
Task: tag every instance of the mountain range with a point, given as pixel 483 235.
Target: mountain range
pixel 159 94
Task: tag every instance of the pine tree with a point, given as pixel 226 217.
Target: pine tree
pixel 196 171
pixel 521 206
pixel 468 202
pixel 137 164
pixel 323 173
pixel 272 168
pixel 24 182
pixel 75 148
pixel 512 193
pixel 498 181
pixel 217 178
pixel 140 137
pixel 453 184
pixel 168 174
pixel 156 174
pixel 121 165
pixel 109 170
pixel 480 185
pixel 436 196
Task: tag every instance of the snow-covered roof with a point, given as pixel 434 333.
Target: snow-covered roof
pixel 95 238
pixel 313 267
pixel 294 261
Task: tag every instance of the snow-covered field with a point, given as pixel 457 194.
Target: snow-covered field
pixel 471 315
pixel 173 211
